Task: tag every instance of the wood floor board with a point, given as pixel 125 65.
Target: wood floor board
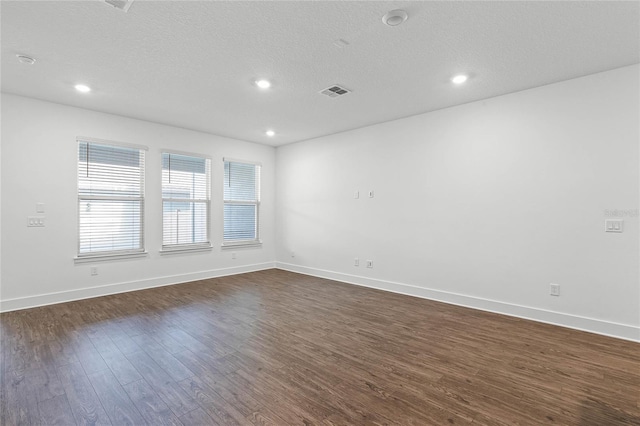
pixel 55 411
pixel 115 400
pixel 178 401
pixel 279 348
pixel 150 405
pixel 197 417
pixel 83 401
pixel 217 407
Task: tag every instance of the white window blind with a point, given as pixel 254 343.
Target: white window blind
pixel 241 202
pixel 110 199
pixel 185 201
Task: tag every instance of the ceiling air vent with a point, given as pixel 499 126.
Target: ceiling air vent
pixel 123 5
pixel 335 91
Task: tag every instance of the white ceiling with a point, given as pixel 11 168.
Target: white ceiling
pixel 192 64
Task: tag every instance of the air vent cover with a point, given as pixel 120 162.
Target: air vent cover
pixel 123 5
pixel 335 91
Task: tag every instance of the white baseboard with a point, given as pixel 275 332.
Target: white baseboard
pixel 620 331
pixel 105 290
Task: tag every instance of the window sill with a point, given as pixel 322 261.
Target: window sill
pixel 184 250
pixel 108 257
pixel 241 245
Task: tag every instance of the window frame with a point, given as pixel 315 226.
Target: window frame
pixel 189 247
pixel 256 242
pixel 111 254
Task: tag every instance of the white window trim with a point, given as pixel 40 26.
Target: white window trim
pixel 241 244
pixel 184 249
pixel 109 142
pixel 235 160
pixel 109 257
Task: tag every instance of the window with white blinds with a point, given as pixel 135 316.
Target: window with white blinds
pixel 241 203
pixel 110 199
pixel 185 201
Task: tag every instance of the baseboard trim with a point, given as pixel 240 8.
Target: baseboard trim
pixel 105 290
pixel 592 325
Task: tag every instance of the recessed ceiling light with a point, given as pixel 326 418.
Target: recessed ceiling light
pixel 459 79
pixel 395 17
pixel 24 59
pixel 263 84
pixel 82 88
pixel 270 133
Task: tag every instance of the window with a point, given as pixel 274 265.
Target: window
pixel 185 201
pixel 110 199
pixel 241 203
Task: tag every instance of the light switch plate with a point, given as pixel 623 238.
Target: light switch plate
pixel 614 225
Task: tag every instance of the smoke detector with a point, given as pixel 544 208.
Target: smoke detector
pixel 335 91
pixel 123 5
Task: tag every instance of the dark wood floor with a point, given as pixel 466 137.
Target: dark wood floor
pixel 279 348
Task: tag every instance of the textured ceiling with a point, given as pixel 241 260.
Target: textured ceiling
pixel 192 64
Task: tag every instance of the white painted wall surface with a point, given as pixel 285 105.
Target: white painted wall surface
pixel 39 164
pixel 483 204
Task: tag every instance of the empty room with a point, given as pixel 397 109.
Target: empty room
pixel 320 213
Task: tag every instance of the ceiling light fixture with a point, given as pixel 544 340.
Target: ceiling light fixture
pixel 395 17
pixel 82 88
pixel 263 84
pixel 270 133
pixel 24 59
pixel 459 79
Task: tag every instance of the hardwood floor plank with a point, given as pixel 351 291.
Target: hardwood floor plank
pixel 165 360
pixel 279 348
pixel 55 411
pixel 178 401
pixel 212 403
pixel 86 352
pixel 115 400
pixel 84 403
pixel 43 383
pixel 150 405
pixel 20 405
pixel 197 417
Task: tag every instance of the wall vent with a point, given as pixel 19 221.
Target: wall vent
pixel 123 5
pixel 335 91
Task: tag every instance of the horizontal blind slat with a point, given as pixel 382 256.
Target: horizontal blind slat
pixel 241 201
pixel 185 199
pixel 113 220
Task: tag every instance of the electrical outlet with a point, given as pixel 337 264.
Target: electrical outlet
pixel 371 194
pixel 554 289
pixel 356 262
pixel 94 270
pixel 293 254
pixel 369 263
pixel 233 254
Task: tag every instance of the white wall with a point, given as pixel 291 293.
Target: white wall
pixel 482 205
pixel 39 164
